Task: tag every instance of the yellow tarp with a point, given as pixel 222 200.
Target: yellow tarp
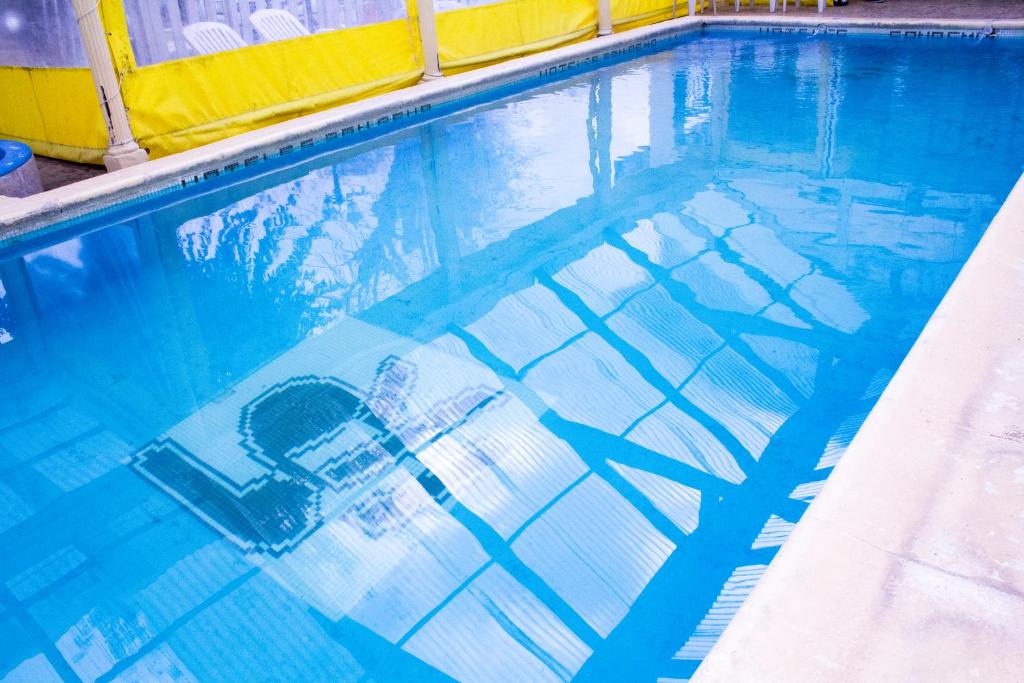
pixel 185 103
pixel 477 36
pixel 627 14
pixel 54 111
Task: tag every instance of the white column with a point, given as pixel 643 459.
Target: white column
pixel 428 40
pixel 123 150
pixel 604 17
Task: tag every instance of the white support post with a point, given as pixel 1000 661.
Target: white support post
pixel 604 17
pixel 428 40
pixel 692 8
pixel 124 151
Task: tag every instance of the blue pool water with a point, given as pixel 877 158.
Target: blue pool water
pixel 531 391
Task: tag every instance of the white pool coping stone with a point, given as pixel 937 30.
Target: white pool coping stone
pixel 910 564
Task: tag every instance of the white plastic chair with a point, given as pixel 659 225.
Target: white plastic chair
pixel 821 5
pixel 277 24
pixel 714 5
pixel 207 37
pixel 772 4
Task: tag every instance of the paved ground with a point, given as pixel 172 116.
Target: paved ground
pixel 56 173
pixel 904 9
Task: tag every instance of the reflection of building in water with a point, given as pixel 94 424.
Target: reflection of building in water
pixel 341 237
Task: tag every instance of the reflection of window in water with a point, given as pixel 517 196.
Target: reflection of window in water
pixel 335 241
pixel 534 168
pixel 631 113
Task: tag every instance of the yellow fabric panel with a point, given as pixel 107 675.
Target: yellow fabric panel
pixel 477 36
pixel 19 112
pixel 569 20
pixel 627 14
pixel 116 24
pixel 468 37
pixel 185 103
pixel 54 111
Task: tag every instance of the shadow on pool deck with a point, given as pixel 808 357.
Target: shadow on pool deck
pixel 58 173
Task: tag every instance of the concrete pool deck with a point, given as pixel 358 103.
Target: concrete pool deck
pixel 909 566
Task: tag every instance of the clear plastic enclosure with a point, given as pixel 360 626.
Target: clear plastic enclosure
pixel 161 30
pixel 447 5
pixel 40 33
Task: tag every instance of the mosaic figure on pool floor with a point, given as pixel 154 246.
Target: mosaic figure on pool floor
pixel 335 502
pixel 317 441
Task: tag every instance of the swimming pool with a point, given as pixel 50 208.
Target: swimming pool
pixel 533 390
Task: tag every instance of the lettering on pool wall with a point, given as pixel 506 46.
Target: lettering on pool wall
pixel 894 33
pixel 351 129
pixel 597 57
pixel 922 33
pixel 820 30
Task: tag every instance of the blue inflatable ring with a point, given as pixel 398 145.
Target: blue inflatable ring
pixel 13 155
